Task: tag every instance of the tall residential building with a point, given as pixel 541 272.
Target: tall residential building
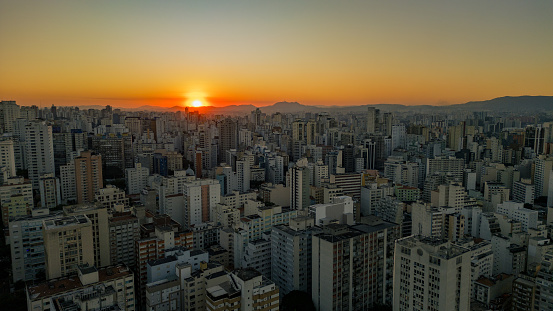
pixel 50 191
pixel 228 129
pixel 68 183
pixel 524 289
pixel 431 274
pixel 124 230
pixel 7 156
pixel 115 150
pixel 200 201
pixel 299 185
pixel 544 284
pixel 291 256
pixel 253 226
pixel 88 176
pixel 67 244
pixel 372 119
pixel 352 266
pixel 98 216
pixel 446 165
pixel 66 145
pixel 136 178
pixel 110 288
pixel 9 112
pixel 27 246
pixel 544 165
pixel 16 198
pixel 523 192
pixel 39 150
pixel 243 174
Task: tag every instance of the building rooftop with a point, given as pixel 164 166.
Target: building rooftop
pixel 66 221
pixel 437 247
pixel 70 283
pixel 247 274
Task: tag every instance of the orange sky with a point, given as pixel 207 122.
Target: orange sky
pixel 133 53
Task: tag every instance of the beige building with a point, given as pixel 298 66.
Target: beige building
pixel 88 176
pixel 111 196
pixel 67 243
pixel 98 215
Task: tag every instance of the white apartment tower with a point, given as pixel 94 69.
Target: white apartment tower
pixel 431 274
pixel 50 191
pixel 39 150
pixel 136 178
pixel 7 157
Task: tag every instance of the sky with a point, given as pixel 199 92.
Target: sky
pixel 175 52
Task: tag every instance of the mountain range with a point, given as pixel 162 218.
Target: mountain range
pixel 526 104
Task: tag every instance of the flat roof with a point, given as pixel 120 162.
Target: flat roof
pixel 72 282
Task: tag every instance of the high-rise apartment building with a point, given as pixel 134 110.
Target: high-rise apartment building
pixel 115 150
pixel 16 198
pixel 50 191
pixel 299 185
pixel 200 200
pixel 39 150
pixel 228 130
pixel 431 274
pixel 67 145
pixel 136 178
pixel 523 192
pixel 98 216
pixel 68 242
pixel 7 156
pixel 543 167
pixel 352 266
pixel 88 176
pixel 291 256
pixel 124 230
pixel 9 112
pixel 27 246
pixel 372 119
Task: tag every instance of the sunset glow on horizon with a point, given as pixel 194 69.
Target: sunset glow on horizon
pixel 219 53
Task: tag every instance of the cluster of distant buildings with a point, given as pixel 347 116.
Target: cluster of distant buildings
pixel 132 210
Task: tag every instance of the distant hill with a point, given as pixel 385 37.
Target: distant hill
pixel 511 104
pixel 528 104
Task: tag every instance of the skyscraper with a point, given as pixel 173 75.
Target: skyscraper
pixel 299 185
pixel 88 176
pixel 229 137
pixel 372 117
pixel 352 266
pixel 39 150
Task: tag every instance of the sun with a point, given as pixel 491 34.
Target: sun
pixel 197 103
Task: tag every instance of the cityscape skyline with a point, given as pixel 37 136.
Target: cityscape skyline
pixel 311 155
pixel 138 53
